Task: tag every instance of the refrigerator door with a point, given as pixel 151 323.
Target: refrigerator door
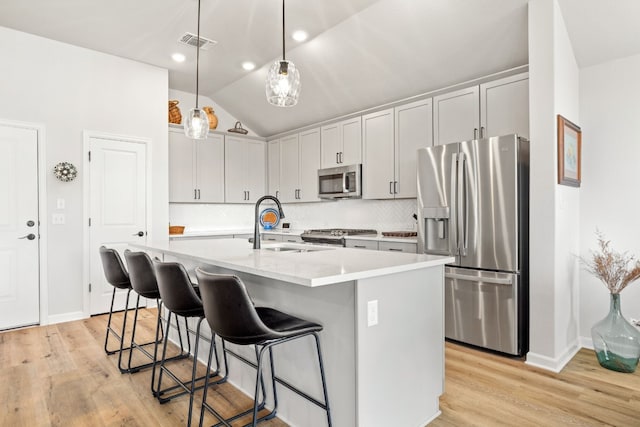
pixel 488 203
pixel 481 308
pixel 436 205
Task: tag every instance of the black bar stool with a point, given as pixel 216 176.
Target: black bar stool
pixel 118 277
pixel 143 281
pixel 180 298
pixel 233 317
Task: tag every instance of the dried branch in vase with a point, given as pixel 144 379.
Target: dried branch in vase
pixel 615 269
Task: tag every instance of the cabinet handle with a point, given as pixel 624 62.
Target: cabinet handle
pixel 341 157
pixel 198 194
pixel 337 158
pixel 475 133
pixel 395 249
pixel 248 194
pixel 195 194
pixel 390 187
pixel 359 246
pixel 395 187
pixel 482 135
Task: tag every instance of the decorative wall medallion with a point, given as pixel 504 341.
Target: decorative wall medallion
pixel 65 171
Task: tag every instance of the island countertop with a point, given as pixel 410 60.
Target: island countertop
pixel 316 266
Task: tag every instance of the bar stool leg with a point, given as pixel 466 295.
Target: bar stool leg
pixel 110 330
pixel 324 382
pixel 193 371
pixel 156 393
pixel 255 396
pixel 124 329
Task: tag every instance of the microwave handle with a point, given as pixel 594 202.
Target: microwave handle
pixel 345 182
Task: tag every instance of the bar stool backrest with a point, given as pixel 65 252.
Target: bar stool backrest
pixel 142 273
pixel 230 311
pixel 114 269
pixel 176 290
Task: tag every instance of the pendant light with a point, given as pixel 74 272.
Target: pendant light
pixel 196 124
pixel 283 79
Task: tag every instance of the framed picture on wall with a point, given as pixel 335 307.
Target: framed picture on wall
pixel 569 153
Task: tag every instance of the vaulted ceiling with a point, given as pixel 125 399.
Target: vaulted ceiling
pixel 360 53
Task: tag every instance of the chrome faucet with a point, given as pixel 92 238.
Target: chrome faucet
pixel 256 232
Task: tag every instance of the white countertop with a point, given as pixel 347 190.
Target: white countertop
pixel 283 232
pixel 320 266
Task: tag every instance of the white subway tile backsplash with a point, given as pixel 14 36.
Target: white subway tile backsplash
pixel 382 215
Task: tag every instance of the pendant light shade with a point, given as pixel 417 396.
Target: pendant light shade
pixel 196 124
pixel 283 79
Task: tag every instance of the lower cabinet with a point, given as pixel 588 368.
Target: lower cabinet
pixel 398 247
pixel 362 244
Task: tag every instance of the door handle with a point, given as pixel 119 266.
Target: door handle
pixel 30 223
pixel 139 234
pixel 29 236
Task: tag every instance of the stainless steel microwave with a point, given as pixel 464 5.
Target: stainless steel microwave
pixel 343 182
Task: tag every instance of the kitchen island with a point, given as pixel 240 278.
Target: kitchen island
pixel 383 337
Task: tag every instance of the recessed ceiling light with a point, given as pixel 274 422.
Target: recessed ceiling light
pixel 248 66
pixel 178 57
pixel 299 36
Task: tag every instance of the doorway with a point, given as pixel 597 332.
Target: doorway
pixel 116 206
pixel 20 231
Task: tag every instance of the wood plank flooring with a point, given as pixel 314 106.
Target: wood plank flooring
pixel 59 375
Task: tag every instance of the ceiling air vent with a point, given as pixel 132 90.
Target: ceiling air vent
pixel 192 40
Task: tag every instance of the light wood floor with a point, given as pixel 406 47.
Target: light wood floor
pixel 59 375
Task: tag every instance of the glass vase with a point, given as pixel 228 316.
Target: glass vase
pixel 616 341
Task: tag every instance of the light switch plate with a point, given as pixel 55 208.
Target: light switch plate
pixel 58 219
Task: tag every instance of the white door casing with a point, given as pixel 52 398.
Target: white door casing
pixel 19 226
pixel 117 206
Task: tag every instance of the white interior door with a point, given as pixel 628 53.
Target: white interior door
pixel 118 195
pixel 19 228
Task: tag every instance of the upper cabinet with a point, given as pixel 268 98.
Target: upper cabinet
pixel 504 106
pixel 273 167
pixel 341 143
pixel 196 168
pixel 245 174
pixel 496 108
pixel 299 164
pixel 390 140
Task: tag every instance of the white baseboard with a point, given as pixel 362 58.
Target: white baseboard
pixel 586 342
pixel 66 317
pixel 553 364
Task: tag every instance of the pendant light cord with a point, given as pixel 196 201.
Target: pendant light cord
pixel 198 57
pixel 283 57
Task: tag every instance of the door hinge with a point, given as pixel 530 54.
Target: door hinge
pixel 89 155
pixel 89 222
pixel 89 287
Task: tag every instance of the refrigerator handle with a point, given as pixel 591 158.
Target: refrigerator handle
pixel 453 224
pixel 461 214
pixel 493 280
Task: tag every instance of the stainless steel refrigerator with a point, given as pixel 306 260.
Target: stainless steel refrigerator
pixel 473 203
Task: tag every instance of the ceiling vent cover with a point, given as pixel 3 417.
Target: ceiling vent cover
pixel 192 40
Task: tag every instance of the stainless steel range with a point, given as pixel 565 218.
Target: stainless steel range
pixel 334 236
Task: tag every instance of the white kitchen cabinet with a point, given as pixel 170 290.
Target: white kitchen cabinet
pixel 504 106
pixel 245 173
pixel 398 246
pixel 196 168
pixel 362 244
pixel 456 116
pixel 299 164
pixel 495 108
pixel 378 169
pixel 273 167
pixel 341 143
pixel 390 140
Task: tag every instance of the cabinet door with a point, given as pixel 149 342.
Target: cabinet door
pixel 289 168
pixel 456 116
pixel 308 165
pixel 371 245
pixel 235 170
pixel 504 106
pixel 273 167
pixel 256 170
pixel 378 166
pixel 210 169
pixel 181 168
pixel 351 131
pixel 414 129
pixel 398 247
pixel 331 145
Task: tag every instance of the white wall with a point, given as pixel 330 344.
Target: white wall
pixel 381 215
pixel 609 113
pixel 188 100
pixel 554 210
pixel 68 90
